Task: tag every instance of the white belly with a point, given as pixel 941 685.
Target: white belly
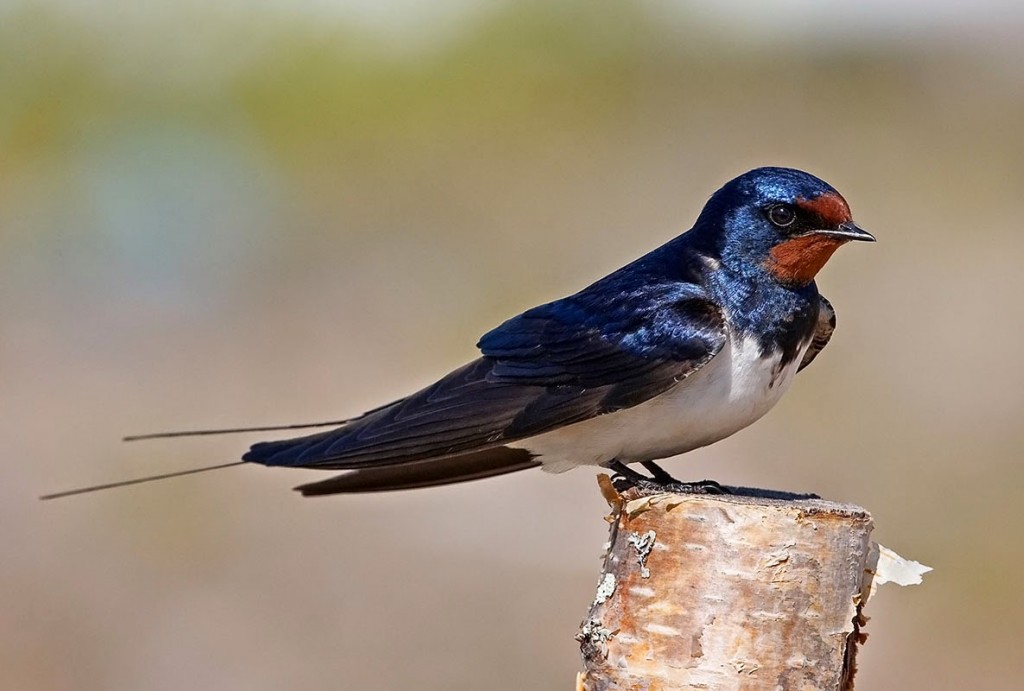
pixel 736 388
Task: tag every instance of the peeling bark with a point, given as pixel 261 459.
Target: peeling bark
pixel 754 590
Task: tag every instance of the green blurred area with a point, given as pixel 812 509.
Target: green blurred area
pixel 227 215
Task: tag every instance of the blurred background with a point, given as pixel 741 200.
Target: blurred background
pixel 215 214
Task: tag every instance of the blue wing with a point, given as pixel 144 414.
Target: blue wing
pixel 551 366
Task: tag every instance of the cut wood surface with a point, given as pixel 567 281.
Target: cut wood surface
pixel 754 590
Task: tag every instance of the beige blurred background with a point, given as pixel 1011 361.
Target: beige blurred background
pixel 243 213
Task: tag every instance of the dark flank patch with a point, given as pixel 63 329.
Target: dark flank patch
pixel 829 207
pixel 798 261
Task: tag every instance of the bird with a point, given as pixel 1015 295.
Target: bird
pixel 674 351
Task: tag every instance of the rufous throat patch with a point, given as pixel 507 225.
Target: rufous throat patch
pixel 799 260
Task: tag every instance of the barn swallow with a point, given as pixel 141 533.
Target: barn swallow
pixel 677 350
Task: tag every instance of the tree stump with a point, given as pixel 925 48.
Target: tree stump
pixel 754 590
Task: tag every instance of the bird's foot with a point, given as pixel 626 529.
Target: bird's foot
pixel 651 486
pixel 699 487
pixel 660 481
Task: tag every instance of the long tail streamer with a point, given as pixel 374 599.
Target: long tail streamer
pixel 137 481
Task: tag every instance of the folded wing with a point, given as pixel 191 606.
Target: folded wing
pixel 552 366
pixel 822 332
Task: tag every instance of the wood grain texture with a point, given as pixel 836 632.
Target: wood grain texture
pixel 727 592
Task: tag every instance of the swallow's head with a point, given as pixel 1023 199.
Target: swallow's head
pixel 781 221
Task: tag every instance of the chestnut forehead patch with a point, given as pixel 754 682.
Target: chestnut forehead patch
pixel 829 207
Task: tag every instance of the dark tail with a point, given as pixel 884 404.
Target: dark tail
pixel 233 430
pixel 137 481
pixel 266 428
pixel 429 473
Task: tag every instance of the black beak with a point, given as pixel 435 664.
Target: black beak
pixel 848 231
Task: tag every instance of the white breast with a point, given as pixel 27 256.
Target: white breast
pixel 736 388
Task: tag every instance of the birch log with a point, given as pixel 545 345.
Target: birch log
pixel 746 591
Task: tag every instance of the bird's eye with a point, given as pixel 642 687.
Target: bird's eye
pixel 781 215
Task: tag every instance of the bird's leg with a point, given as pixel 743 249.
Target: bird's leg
pixel 627 477
pixel 659 474
pixel 628 474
